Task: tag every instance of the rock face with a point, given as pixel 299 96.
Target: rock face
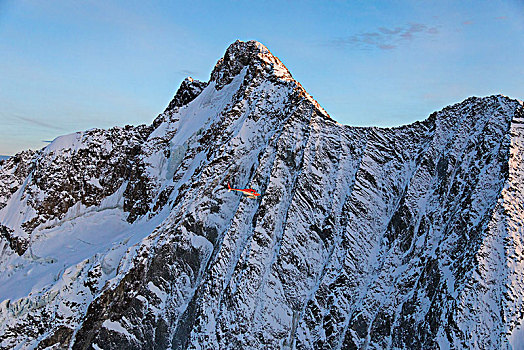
pixel 379 238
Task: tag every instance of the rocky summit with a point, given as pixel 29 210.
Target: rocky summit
pixel 363 238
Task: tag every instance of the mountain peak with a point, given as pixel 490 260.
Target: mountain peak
pixel 242 54
pixel 260 62
pixel 188 90
pixel 247 47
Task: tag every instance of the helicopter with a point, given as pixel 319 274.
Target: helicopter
pixel 249 192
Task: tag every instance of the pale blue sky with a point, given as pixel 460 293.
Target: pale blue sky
pixel 74 65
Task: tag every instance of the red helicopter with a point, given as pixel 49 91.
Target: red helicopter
pixel 249 192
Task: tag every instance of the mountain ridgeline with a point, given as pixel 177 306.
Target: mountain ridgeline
pixel 363 238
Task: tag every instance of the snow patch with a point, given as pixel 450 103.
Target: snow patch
pixel 95 182
pixel 158 292
pixel 71 142
pixel 117 327
pixel 202 243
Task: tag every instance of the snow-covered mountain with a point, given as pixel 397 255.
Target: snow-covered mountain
pixel 380 238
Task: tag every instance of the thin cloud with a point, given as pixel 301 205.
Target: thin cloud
pixel 396 30
pixel 501 18
pixel 385 38
pixel 187 72
pixel 38 122
pixel 467 22
pixel 386 47
pixel 412 30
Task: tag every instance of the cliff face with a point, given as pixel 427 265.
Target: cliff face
pixel 407 237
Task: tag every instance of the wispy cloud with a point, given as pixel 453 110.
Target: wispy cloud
pixel 468 22
pixel 38 122
pixel 385 38
pixel 187 72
